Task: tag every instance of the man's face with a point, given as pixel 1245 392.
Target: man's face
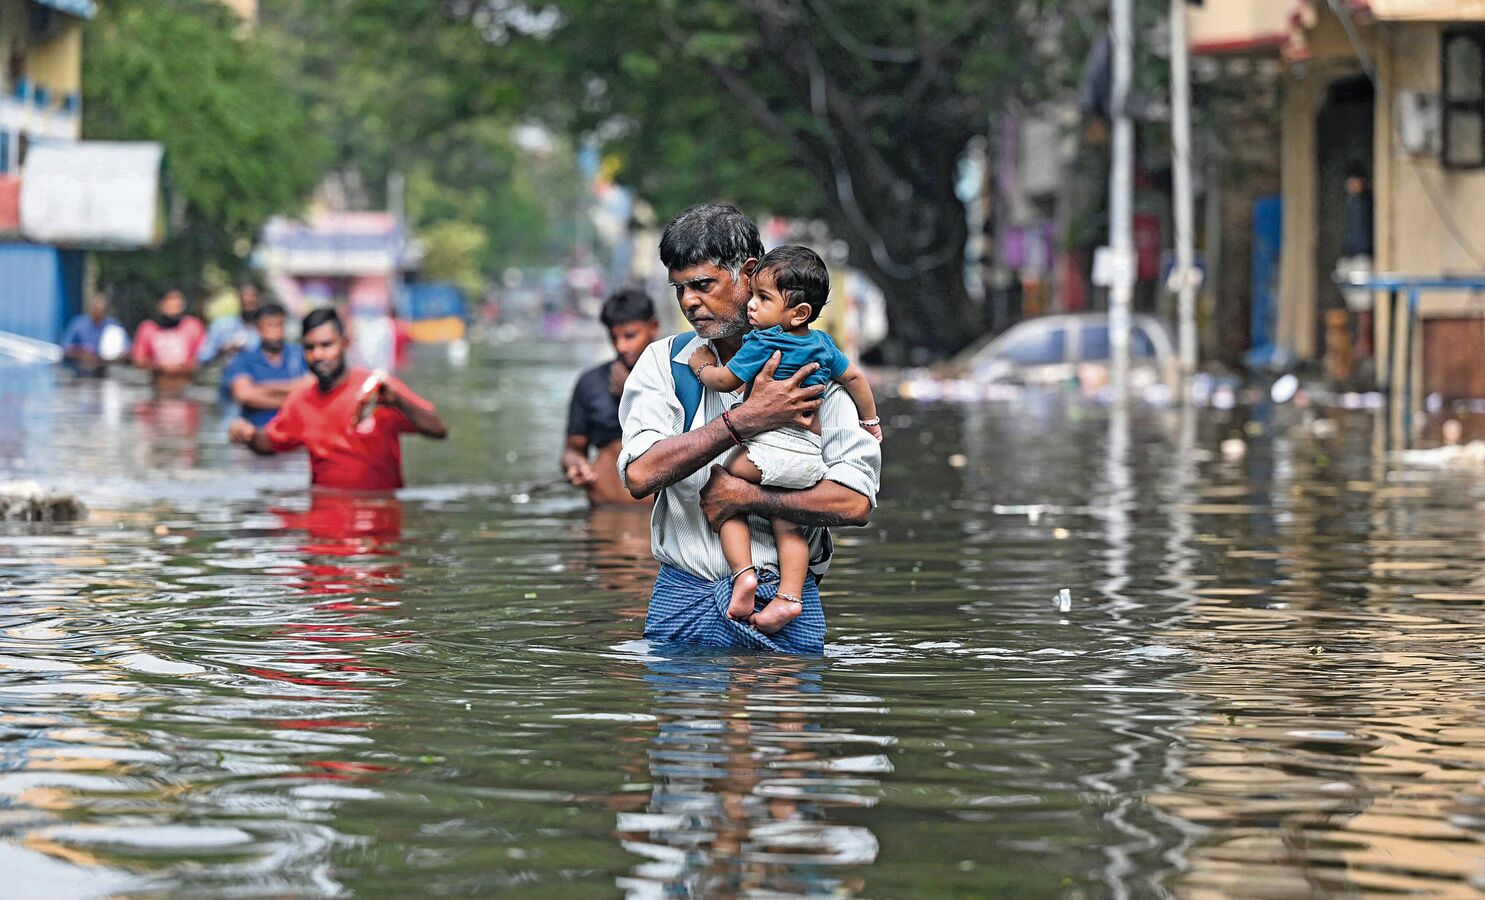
pixel 98 308
pixel 173 304
pixel 324 353
pixel 1355 185
pixel 247 299
pixel 271 330
pixel 712 300
pixel 631 338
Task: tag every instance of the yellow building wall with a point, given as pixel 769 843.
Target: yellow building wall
pixel 57 64
pixel 1414 235
pixel 1229 25
pixel 1296 323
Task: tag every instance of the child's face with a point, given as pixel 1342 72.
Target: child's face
pixel 767 307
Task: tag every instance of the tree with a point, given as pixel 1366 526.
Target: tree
pixel 853 110
pixel 238 147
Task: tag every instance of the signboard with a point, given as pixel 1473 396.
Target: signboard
pixel 92 194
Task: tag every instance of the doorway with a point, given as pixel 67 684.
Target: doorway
pixel 1343 142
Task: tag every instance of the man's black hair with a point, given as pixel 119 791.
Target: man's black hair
pixel 321 316
pixel 626 306
pixel 271 309
pixel 800 276
pixel 1356 169
pixel 710 233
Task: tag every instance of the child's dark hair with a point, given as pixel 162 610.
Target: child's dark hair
pixel 626 306
pixel 800 276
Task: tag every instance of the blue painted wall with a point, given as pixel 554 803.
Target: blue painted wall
pixel 40 289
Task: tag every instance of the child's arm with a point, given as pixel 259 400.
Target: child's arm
pixel 719 378
pixel 854 381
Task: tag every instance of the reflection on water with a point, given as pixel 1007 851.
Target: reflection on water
pixel 744 784
pixel 219 684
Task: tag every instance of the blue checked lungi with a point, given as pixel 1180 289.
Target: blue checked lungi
pixel 691 610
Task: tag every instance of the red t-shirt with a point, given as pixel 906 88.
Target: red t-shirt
pixel 168 346
pixel 342 454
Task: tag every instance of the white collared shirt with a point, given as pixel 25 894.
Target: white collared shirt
pixel 650 412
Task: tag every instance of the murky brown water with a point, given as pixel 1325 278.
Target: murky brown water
pixel 1268 685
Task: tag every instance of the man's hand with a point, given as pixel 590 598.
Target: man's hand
pixel 241 431
pixel 581 474
pixel 724 497
pixel 618 373
pixel 773 404
pixel 386 395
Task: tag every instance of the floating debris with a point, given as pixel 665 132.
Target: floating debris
pixel 1063 600
pixel 27 501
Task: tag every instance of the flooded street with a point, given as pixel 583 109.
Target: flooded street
pixel 1269 682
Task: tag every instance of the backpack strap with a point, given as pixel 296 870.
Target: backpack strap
pixel 687 386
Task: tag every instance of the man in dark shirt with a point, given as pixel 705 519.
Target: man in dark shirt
pixel 593 416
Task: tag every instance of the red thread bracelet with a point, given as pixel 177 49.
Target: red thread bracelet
pixel 731 429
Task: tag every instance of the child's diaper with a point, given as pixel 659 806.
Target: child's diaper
pixel 788 457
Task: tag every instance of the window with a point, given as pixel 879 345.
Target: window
pixel 1038 346
pixel 1096 343
pixel 1464 99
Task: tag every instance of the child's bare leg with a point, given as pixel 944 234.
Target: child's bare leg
pixel 794 564
pixel 737 545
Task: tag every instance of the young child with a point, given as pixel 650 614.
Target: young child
pixel 790 287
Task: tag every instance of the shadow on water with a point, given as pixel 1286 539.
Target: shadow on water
pixel 1266 685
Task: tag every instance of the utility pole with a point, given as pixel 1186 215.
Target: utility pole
pixel 1121 198
pixel 1184 277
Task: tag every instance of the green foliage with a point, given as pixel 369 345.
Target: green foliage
pixel 854 111
pixel 238 148
pixel 451 252
pixel 396 86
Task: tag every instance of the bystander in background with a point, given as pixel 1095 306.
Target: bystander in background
pixel 94 339
pixel 166 345
pixel 261 378
pixel 593 414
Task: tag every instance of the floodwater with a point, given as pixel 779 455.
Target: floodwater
pixel 1269 682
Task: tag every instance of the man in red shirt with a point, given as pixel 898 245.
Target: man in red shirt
pixel 166 344
pixel 349 420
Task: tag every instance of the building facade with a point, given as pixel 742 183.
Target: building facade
pixel 1395 89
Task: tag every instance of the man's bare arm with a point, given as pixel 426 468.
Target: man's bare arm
pixel 241 431
pixel 771 405
pixel 262 394
pixel 825 505
pixel 575 466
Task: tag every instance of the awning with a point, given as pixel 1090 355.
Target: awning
pixel 92 194
pixel 83 9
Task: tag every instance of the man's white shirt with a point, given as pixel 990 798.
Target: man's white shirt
pixel 650 412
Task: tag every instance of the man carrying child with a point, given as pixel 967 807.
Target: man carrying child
pixel 675 440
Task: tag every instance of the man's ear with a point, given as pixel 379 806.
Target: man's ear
pixel 749 267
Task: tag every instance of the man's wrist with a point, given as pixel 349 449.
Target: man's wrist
pixel 743 421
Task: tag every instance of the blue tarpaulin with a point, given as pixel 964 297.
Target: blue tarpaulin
pixel 83 9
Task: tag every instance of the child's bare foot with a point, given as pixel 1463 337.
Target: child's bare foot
pixel 744 591
pixel 780 611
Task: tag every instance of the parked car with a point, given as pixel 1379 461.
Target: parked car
pixel 1058 349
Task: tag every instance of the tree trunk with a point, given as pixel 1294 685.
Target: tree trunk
pixel 914 251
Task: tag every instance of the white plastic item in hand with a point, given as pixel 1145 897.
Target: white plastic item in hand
pixel 112 341
pixel 370 389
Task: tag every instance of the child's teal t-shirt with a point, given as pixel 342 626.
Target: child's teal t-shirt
pixel 796 352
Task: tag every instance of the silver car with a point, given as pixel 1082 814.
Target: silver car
pixel 1053 349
